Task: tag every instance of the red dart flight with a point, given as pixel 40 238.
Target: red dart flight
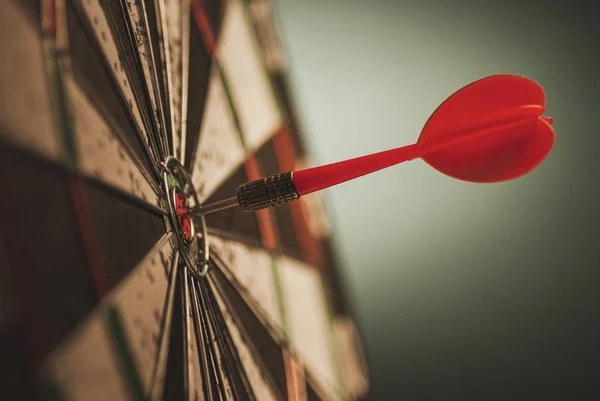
pixel 489 131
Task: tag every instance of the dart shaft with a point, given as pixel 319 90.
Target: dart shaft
pixel 216 206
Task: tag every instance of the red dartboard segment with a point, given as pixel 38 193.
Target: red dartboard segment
pixel 264 217
pixel 203 23
pixel 286 158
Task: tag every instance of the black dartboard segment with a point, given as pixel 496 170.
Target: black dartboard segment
pixel 126 232
pixel 175 380
pixel 239 380
pixel 45 255
pixel 199 67
pixel 156 35
pixel 96 301
pixel 214 11
pixel 16 370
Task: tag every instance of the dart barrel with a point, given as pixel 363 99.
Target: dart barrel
pixel 267 192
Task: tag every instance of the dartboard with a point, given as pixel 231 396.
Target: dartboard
pixel 116 119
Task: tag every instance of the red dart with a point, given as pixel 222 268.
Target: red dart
pixel 491 130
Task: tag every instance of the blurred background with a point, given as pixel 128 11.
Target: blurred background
pixel 464 291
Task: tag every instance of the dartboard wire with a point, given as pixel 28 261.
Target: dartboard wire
pixel 140 37
pixel 227 343
pixel 69 81
pixel 185 60
pixel 256 354
pixel 158 376
pixel 218 385
pixel 64 75
pixel 224 250
pixel 133 67
pixel 213 386
pixel 226 359
pixel 220 367
pixel 119 333
pixel 142 136
pixel 255 364
pixel 275 331
pixel 185 301
pixel 115 131
pixel 202 350
pixel 143 63
pixel 160 109
pixel 167 79
pixel 277 335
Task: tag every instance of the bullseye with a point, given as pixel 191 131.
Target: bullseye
pixel 183 215
pixel 189 232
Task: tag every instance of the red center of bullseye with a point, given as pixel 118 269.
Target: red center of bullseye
pixel 183 216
